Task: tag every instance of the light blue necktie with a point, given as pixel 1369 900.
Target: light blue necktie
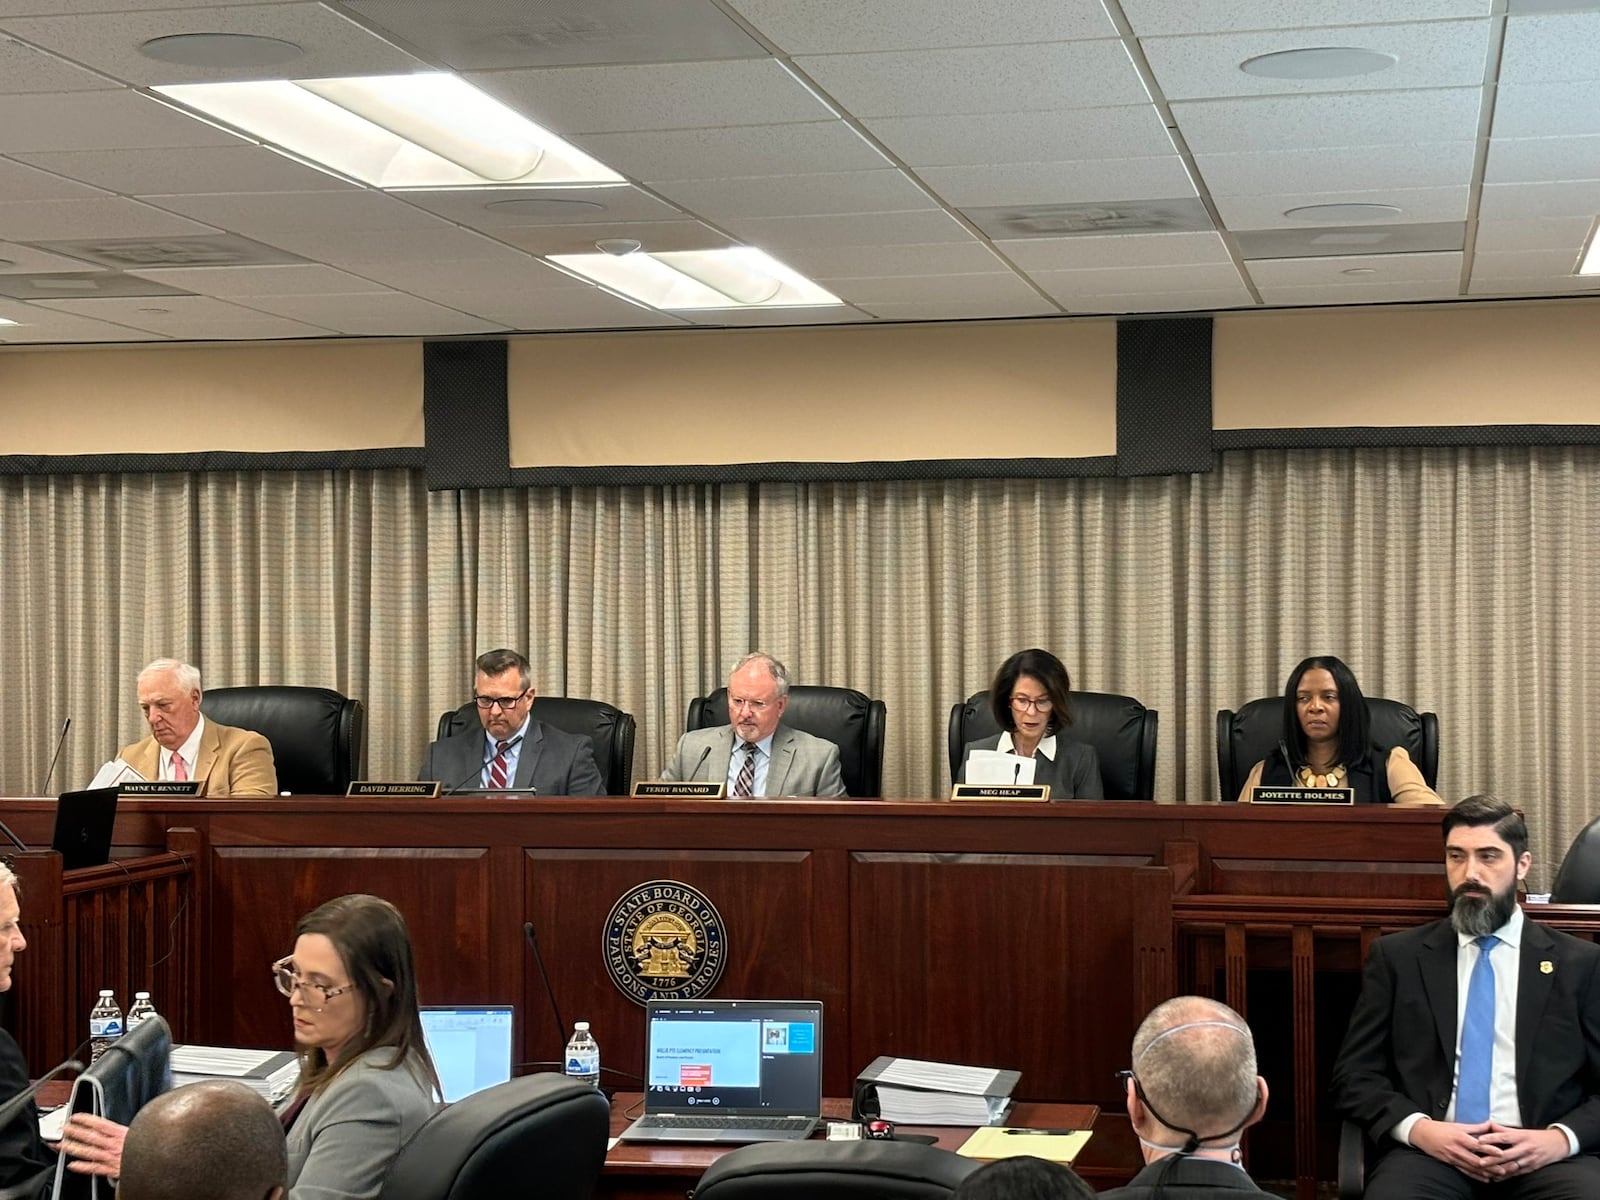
pixel 1477 1040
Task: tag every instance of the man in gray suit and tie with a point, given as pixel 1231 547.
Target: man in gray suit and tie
pixel 757 755
pixel 512 750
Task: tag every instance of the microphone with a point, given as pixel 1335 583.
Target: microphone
pixel 56 757
pixel 478 770
pixel 561 1026
pixel 1016 775
pixel 14 1107
pixel 704 754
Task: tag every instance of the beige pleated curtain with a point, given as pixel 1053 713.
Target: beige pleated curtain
pixel 1460 580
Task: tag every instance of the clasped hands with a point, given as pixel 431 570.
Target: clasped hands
pixel 1489 1152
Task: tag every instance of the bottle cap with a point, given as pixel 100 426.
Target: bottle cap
pixel 105 992
pixel 141 995
pixel 581 1025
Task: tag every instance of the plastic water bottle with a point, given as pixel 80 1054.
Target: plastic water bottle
pixel 583 1055
pixel 105 1024
pixel 140 1009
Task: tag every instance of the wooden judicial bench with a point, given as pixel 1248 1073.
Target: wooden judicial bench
pixel 1020 935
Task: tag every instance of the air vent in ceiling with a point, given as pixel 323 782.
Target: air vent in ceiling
pixel 71 285
pixel 1337 240
pixel 205 250
pixel 1012 222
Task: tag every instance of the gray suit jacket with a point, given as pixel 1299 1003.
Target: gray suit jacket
pixel 345 1139
pixel 549 760
pixel 1073 775
pixel 801 765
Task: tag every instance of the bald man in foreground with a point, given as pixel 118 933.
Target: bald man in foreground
pixel 215 1140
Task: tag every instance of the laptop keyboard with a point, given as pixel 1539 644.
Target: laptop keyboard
pixel 729 1122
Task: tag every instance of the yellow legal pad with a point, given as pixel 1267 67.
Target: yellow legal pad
pixel 1057 1145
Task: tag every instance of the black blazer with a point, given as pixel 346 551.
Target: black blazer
pixel 1398 1056
pixel 1073 775
pixel 23 1158
pixel 552 761
pixel 1188 1179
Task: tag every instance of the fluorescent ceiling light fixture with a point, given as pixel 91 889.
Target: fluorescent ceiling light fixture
pixel 740 277
pixel 7 321
pixel 1590 265
pixel 430 130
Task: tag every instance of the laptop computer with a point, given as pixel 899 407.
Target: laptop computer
pixel 84 821
pixel 470 1044
pixel 730 1071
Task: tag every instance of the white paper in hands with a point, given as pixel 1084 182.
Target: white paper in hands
pixel 114 772
pixel 997 767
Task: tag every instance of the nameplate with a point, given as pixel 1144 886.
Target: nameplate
pixel 1000 791
pixel 702 790
pixel 1302 795
pixel 160 787
pixel 381 787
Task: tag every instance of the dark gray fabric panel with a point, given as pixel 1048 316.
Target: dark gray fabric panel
pixel 815 472
pixel 1366 436
pixel 466 421
pixel 211 460
pixel 1164 397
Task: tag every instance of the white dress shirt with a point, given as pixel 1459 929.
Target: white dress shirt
pixel 190 751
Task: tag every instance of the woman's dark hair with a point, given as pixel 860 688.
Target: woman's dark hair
pixel 1355 726
pixel 1048 670
pixel 371 939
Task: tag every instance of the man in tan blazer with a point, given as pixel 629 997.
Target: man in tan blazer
pixel 184 745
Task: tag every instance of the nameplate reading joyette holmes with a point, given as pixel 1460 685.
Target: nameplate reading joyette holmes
pixel 1000 791
pixel 1302 795
pixel 682 789
pixel 160 787
pixel 380 787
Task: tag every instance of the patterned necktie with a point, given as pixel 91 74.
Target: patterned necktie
pixel 745 785
pixel 497 766
pixel 1477 1040
pixel 180 772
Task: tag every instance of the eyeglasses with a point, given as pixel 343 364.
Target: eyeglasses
pixel 288 981
pixel 502 702
pixel 755 706
pixel 1024 703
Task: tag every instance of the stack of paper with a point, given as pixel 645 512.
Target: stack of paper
pixel 1057 1145
pixel 930 1093
pixel 270 1073
pixel 997 768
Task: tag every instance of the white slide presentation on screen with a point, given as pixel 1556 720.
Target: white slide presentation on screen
pixel 724 1054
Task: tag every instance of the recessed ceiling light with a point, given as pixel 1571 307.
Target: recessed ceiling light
pixel 1590 263
pixel 540 206
pixel 1359 271
pixel 7 321
pixel 1343 214
pixel 221 50
pixel 680 280
pixel 1318 62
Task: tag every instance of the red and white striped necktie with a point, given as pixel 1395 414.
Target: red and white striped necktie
pixel 497 766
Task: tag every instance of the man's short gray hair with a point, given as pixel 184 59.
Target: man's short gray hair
pixel 186 676
pixel 779 672
pixel 1196 1061
pixel 8 877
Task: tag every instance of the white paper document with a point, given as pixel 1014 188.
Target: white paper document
pixel 114 772
pixel 993 767
pixel 944 1077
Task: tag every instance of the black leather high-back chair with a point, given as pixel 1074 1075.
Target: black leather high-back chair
pixel 1121 730
pixel 862 1170
pixel 849 719
pixel 319 738
pixel 1246 737
pixel 609 729
pixel 539 1136
pixel 1578 880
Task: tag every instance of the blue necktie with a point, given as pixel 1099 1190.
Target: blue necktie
pixel 1477 1040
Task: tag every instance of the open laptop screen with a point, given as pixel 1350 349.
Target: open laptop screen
pixel 722 1056
pixel 470 1045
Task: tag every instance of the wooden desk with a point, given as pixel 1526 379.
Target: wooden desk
pixel 640 1171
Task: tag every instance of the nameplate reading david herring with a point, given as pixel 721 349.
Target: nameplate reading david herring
pixel 380 787
pixel 161 787
pixel 703 789
pixel 1000 791
pixel 1303 795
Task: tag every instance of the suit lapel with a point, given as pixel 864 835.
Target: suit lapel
pixel 210 744
pixel 1437 963
pixel 1533 992
pixel 528 755
pixel 782 762
pixel 716 763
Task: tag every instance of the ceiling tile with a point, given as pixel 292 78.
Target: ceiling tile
pixel 1304 122
pixel 333 45
pixel 580 239
pixel 574 100
pixel 109 217
pixel 1558 48
pixel 37 325
pixel 1536 110
pixel 796 195
pixel 1434 54
pixel 1378 293
pixel 306 279
pixel 1132 250
pixel 1161 301
pixel 490 209
pixel 736 150
pixel 1060 183
pixel 974 258
pixel 1153 17
pixel 1176 277
pixel 192 171
pixel 16 259
pixel 1536 233
pixel 1541 285
pixel 1132 131
pixel 26 69
pixel 446 282
pixel 19 181
pixel 961 310
pixel 355 248
pixel 1345 168
pixel 1417 205
pixel 122 119
pixel 50 8
pixel 986 79
pixel 917 289
pixel 582 308
pixel 853 26
pixel 743 318
pixel 268 213
pixel 1514 201
pixel 850 229
pixel 1350 239
pixel 1525 264
pixel 1356 270
pixel 1542 160
pixel 374 314
pixel 186 317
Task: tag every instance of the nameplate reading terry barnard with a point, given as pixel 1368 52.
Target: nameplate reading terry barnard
pixel 1000 791
pixel 380 787
pixel 680 789
pixel 160 787
pixel 1302 795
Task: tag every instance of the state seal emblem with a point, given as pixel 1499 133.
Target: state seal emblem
pixel 664 940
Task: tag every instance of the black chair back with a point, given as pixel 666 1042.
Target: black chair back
pixel 849 719
pixel 863 1170
pixel 540 1135
pixel 1246 737
pixel 609 729
pixel 1121 730
pixel 319 738
pixel 1578 880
